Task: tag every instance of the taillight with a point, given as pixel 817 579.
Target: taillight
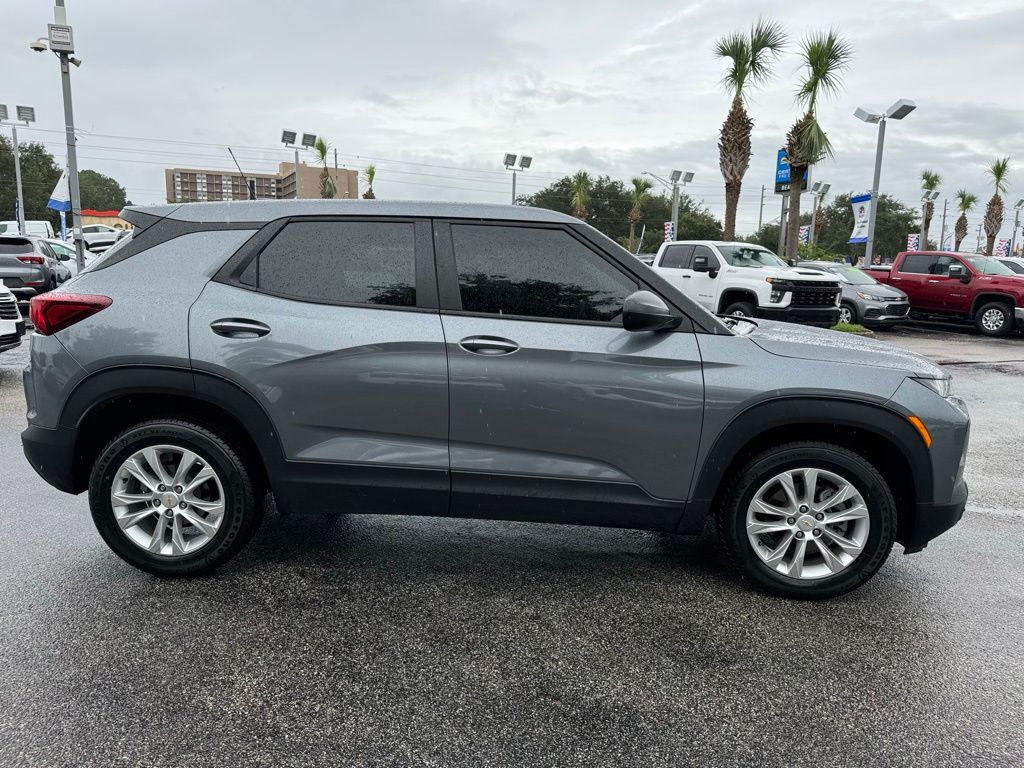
pixel 32 259
pixel 52 312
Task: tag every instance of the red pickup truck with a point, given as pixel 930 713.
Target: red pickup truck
pixel 963 286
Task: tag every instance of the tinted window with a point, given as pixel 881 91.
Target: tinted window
pixel 942 265
pixel 1014 267
pixel 677 257
pixel 918 263
pixel 703 250
pixel 357 262
pixel 15 245
pixel 535 273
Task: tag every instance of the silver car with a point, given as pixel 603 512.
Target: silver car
pixel 864 299
pixel 29 266
pixel 496 362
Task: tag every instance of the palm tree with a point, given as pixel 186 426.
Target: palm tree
pixel 750 55
pixel 998 172
pixel 371 174
pixel 327 187
pixel 637 196
pixel 580 186
pixel 825 55
pixel 930 182
pixel 964 201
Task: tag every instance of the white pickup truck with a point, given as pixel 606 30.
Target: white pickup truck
pixel 748 280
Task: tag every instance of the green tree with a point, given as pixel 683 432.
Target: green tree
pixel 39 174
pixel 750 58
pixel 327 188
pixel 965 201
pixel 100 192
pixel 638 195
pixel 824 56
pixel 371 174
pixel 930 182
pixel 580 199
pixel 998 172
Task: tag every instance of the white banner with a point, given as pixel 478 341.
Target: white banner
pixel 60 198
pixel 861 212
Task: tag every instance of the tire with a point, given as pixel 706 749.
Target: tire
pixel 847 313
pixel 987 321
pixel 819 582
pixel 230 487
pixel 744 308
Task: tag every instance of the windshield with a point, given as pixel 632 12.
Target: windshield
pixel 987 266
pixel 750 256
pixel 852 275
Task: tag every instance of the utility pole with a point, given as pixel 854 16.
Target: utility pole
pixel 977 244
pixel 875 184
pixel 782 224
pixel 942 232
pixel 17 180
pixel 760 212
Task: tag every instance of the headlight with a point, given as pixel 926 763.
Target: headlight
pixel 942 387
pixel 870 296
pixel 776 296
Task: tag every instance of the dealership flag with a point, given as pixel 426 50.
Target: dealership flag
pixel 670 231
pixel 1003 247
pixel 60 198
pixel 805 234
pixel 914 242
pixel 861 210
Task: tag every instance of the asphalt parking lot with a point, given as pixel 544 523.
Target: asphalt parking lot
pixel 400 641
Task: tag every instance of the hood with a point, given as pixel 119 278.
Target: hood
pixel 799 273
pixel 806 343
pixel 878 289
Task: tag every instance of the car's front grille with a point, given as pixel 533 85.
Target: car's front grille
pixel 814 296
pixel 9 338
pixel 895 310
pixel 9 310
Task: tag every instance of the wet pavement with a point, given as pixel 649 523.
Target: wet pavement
pixel 401 641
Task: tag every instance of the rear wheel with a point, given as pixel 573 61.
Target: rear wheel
pixel 740 309
pixel 994 319
pixel 173 498
pixel 808 520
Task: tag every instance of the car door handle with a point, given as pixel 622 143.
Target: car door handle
pixel 239 328
pixel 488 345
pixel 934 281
pixel 686 277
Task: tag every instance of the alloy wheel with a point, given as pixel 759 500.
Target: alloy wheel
pixel 993 319
pixel 168 500
pixel 807 523
pixel 845 316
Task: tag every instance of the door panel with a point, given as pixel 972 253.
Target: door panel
pixel 580 402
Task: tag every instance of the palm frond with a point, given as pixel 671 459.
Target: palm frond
pixel 998 172
pixel 826 55
pixel 768 40
pixel 321 148
pixel 370 172
pixel 930 180
pixel 814 143
pixel 641 187
pixel 736 47
pixel 965 200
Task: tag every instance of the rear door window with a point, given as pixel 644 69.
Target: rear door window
pixel 918 264
pixel 677 257
pixel 342 262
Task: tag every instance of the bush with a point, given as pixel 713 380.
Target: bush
pixel 814 252
pixel 850 328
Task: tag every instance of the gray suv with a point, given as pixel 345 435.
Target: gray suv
pixel 29 265
pixel 864 300
pixel 495 362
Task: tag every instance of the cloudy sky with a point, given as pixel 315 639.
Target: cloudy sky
pixel 435 92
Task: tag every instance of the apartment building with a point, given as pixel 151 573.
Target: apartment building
pixel 198 184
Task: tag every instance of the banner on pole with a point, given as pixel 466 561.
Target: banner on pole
pixel 1002 248
pixel 805 233
pixel 782 174
pixel 861 205
pixel 60 198
pixel 670 231
pixel 914 242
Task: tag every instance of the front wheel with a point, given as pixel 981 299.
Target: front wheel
pixel 173 498
pixel 994 319
pixel 808 520
pixel 740 309
pixel 847 313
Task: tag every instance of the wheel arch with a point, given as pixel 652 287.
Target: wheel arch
pixel 882 435
pixel 985 298
pixel 731 295
pixel 112 399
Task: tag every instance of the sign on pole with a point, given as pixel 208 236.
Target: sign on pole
pixel 1002 248
pixel 60 198
pixel 861 205
pixel 670 231
pixel 782 174
pixel 914 242
pixel 805 233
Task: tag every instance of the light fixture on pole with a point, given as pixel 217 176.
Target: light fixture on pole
pixel 516 164
pixel 897 111
pixel 927 198
pixel 1016 223
pixel 674 180
pixel 819 190
pixel 289 139
pixel 25 115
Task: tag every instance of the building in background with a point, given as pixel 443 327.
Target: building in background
pixel 110 218
pixel 198 184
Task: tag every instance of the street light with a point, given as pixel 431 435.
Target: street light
pixel 819 190
pixel 288 139
pixel 673 182
pixel 927 198
pixel 60 40
pixel 26 115
pixel 516 164
pixel 1016 222
pixel 897 111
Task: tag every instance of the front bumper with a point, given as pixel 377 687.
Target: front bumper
pixel 932 520
pixel 51 453
pixel 824 317
pixel 883 313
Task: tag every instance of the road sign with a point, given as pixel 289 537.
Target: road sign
pixel 782 174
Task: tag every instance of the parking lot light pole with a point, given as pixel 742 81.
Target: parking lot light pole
pixel 288 138
pixel 516 164
pixel 819 190
pixel 674 180
pixel 926 198
pixel 897 111
pixel 28 114
pixel 1016 223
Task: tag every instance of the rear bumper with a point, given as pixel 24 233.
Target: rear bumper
pixel 51 453
pixel 824 316
pixel 933 520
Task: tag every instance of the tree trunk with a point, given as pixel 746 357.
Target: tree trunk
pixel 732 200
pixel 960 231
pixel 990 244
pixel 632 233
pixel 796 175
pixel 929 211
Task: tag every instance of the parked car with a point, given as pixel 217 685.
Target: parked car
pixel 99 237
pixel 1014 263
pixel 864 300
pixel 497 362
pixel 12 325
pixel 750 281
pixel 67 259
pixel 28 265
pixel 958 286
pixel 37 227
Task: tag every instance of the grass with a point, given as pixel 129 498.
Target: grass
pixel 849 328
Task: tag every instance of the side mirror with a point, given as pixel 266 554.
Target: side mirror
pixel 63 257
pixel 703 263
pixel 958 272
pixel 645 311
